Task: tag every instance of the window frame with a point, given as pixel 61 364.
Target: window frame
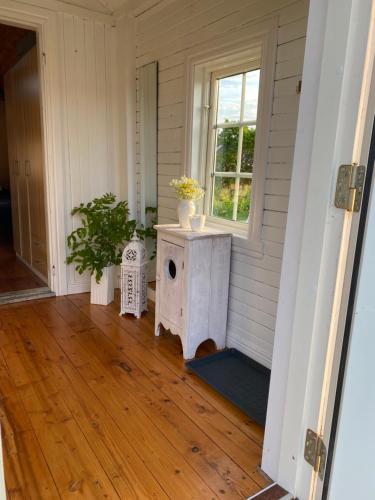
pixel 239 227
pixel 260 42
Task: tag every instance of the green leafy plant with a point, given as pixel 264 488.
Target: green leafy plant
pixel 99 242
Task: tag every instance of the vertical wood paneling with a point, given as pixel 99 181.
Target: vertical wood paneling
pixel 91 108
pixel 110 144
pixel 166 37
pixel 100 79
pixel 88 96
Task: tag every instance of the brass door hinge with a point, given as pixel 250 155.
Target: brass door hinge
pixel 315 452
pixel 349 187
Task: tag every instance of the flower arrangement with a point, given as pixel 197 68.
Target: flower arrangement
pixel 187 188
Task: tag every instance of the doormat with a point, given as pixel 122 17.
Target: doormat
pixel 238 378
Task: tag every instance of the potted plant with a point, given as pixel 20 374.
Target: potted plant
pixel 188 191
pixel 96 246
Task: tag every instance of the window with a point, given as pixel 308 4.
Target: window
pixel 228 119
pixel 231 142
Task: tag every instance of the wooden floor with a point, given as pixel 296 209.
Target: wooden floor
pixel 14 275
pixel 93 406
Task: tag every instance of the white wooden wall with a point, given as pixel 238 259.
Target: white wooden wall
pixel 166 34
pixel 90 167
pixel 81 113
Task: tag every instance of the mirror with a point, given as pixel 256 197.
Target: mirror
pixel 148 131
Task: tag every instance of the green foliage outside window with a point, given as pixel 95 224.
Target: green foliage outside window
pixel 226 161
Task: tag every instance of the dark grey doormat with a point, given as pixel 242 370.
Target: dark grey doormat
pixel 238 378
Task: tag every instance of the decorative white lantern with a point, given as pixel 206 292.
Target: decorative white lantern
pixel 133 278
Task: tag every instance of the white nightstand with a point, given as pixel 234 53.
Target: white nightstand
pixel 192 281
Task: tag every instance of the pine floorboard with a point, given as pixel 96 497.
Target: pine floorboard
pixel 94 406
pixel 14 275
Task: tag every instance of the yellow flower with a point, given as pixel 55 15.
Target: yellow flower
pixel 187 188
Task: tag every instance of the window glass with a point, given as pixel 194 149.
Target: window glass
pixel 226 149
pixel 247 153
pixel 244 197
pixel 229 99
pixel 223 197
pixel 251 95
pixel 233 142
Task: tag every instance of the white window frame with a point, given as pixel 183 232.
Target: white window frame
pixel 211 144
pixel 249 48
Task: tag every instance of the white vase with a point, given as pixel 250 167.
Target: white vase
pixel 103 292
pixel 186 208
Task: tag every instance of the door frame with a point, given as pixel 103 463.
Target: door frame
pixel 45 24
pixel 330 132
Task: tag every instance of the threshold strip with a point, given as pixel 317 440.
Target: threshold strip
pixel 271 492
pixel 22 295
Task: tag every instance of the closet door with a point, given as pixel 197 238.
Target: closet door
pixel 34 163
pixel 20 80
pixel 14 164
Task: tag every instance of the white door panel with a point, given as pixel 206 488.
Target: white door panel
pixel 171 282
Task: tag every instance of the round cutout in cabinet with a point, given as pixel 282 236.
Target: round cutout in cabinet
pixel 171 269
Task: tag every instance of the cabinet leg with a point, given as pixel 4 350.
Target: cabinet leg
pixel 219 345
pixel 157 329
pixel 189 351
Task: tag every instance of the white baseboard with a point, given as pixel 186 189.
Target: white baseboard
pixel 250 351
pixel 78 288
pixel 151 294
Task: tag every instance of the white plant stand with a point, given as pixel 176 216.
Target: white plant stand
pixel 192 282
pixel 103 293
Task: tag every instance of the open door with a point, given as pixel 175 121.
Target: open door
pixel 334 128
pixel 353 401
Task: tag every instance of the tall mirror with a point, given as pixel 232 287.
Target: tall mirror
pixel 148 130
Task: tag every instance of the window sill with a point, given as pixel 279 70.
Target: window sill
pixel 241 242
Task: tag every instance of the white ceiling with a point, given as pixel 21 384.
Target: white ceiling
pixel 111 6
pixel 104 6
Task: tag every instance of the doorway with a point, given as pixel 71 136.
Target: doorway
pixel 23 241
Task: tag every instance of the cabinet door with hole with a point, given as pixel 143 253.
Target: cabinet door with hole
pixel 171 282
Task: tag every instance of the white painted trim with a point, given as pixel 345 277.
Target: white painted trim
pixel 253 352
pixel 293 239
pixel 199 63
pixel 151 294
pixel 45 24
pixel 79 288
pixel 336 47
